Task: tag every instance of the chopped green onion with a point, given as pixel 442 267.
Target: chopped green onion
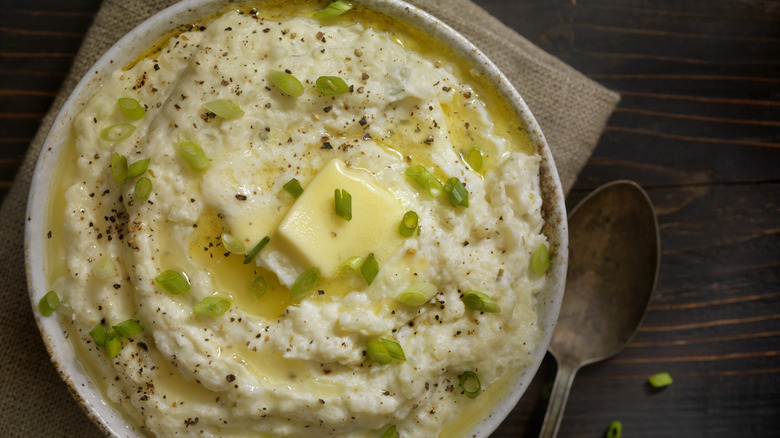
pixel 369 268
pixel 352 263
pixel 659 380
pixel 394 348
pixel 546 391
pixel 480 302
pixel 469 383
pixel 377 351
pixel 408 224
pixel 118 167
pixel 333 10
pixel 540 260
pixel 117 132
pixel 259 287
pixel 126 329
pixel 131 108
pixel 233 244
pixel 615 430
pixel 391 432
pixel 293 187
pixel 256 250
pixel 211 306
pixel 104 268
pixel 305 283
pixel 193 154
pixel 143 188
pixel 425 179
pixel 113 344
pixel 224 108
pixel 173 281
pixel 331 85
pixel 99 335
pixel 49 303
pixel 343 202
pixel 417 294
pixel 474 159
pixel 456 193
pixel 286 83
pixel 137 169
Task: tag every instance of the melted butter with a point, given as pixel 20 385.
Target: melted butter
pixel 177 389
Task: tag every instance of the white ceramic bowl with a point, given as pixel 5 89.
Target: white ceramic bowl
pixel 150 32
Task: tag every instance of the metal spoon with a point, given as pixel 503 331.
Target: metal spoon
pixel 614 251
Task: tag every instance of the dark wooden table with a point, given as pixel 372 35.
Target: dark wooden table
pixel 698 127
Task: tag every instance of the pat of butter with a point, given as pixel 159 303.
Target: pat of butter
pixel 314 235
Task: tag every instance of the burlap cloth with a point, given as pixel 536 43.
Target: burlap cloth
pixel 571 109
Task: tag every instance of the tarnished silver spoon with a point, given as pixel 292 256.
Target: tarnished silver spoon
pixel 614 251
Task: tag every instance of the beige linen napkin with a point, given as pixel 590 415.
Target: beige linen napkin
pixel 571 109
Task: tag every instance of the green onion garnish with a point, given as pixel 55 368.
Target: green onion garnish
pixel 377 351
pixel 352 263
pixel 211 306
pixel 540 260
pixel 305 283
pixel 480 302
pixel 333 10
pixel 469 383
pixel 137 169
pixel 391 432
pixel 286 83
pixel 394 348
pixel 474 159
pixel 224 108
pixel 369 268
pixel 131 108
pixel 113 343
pixel 256 250
pixel 173 281
pixel 104 268
pixel 117 132
pixel 143 188
pixel 49 303
pixel 233 243
pixel 408 224
pixel 659 380
pixel 259 287
pixel 126 329
pixel 615 430
pixel 331 85
pixel 193 154
pixel 293 187
pixel 343 202
pixel 424 179
pixel 118 167
pixel 417 294
pixel 456 193
pixel 99 335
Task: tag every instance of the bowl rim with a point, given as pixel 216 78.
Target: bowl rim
pixel 154 28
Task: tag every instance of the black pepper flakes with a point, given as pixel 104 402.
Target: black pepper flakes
pixel 241 197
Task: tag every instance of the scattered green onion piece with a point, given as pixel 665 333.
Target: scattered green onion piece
pixel 99 335
pixel 395 350
pixel 408 224
pixel 137 169
pixel 474 159
pixel 456 193
pixel 391 432
pixel 126 329
pixel 113 344
pixel 417 294
pixel 660 380
pixel 333 10
pixel 540 260
pixel 118 167
pixel 193 154
pixel 117 132
pixel 259 287
pixel 377 351
pixel 173 281
pixel 286 83
pixel 424 179
pixel 233 243
pixel 352 263
pixel 224 108
pixel 546 391
pixel 615 430
pixel 369 268
pixel 256 250
pixel 293 187
pixel 305 283
pixel 469 383
pixel 343 202
pixel 49 303
pixel 211 306
pixel 131 108
pixel 331 85
pixel 143 188
pixel 104 268
pixel 480 302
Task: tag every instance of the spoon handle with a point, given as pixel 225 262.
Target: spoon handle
pixel 558 397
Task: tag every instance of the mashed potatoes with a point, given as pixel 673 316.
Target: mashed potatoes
pixel 277 363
